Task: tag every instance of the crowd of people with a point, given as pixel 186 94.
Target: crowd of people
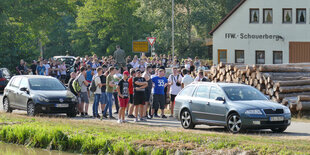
pixel 138 87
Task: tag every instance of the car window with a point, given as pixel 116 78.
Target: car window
pixel 188 91
pixel 202 91
pixel 24 83
pixel 46 84
pixel 16 82
pixel 243 93
pixel 215 93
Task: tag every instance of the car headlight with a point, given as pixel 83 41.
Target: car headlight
pixel 287 110
pixel 74 99
pixel 253 112
pixel 43 99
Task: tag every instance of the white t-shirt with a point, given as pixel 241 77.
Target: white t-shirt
pixel 63 69
pixel 135 65
pixel 187 66
pixel 187 79
pixel 47 67
pixel 174 89
pixel 97 81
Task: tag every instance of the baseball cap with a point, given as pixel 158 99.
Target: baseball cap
pixel 126 73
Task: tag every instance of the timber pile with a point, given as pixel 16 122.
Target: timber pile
pixel 288 84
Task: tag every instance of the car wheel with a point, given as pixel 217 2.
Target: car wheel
pixel 72 113
pixel 6 105
pixel 186 120
pixel 31 110
pixel 234 123
pixel 279 130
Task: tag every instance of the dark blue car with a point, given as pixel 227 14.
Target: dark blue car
pixel 237 107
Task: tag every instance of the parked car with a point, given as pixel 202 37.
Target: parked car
pixel 5 77
pixel 38 94
pixel 69 60
pixel 235 106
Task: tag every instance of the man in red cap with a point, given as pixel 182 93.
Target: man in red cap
pixel 123 96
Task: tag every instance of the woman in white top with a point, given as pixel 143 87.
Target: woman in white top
pixel 63 72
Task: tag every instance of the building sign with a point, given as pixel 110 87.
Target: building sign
pixel 140 46
pixel 253 36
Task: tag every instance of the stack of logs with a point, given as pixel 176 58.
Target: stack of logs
pixel 288 84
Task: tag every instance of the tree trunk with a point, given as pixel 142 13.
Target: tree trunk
pixel 303 106
pixel 294 89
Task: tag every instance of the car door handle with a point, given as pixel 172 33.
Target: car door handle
pixel 190 101
pixel 208 103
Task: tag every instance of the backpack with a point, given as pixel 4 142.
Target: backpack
pixel 93 87
pixel 76 86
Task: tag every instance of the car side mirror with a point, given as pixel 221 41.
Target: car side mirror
pixel 220 99
pixel 24 89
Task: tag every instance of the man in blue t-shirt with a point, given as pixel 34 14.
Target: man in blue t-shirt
pixel 40 69
pixel 160 82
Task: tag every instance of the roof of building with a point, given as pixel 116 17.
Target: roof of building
pixel 227 16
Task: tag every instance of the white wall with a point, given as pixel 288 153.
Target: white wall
pixel 239 23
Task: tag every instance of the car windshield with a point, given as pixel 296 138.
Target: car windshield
pixel 46 84
pixel 243 93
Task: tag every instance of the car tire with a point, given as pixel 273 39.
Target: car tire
pixel 186 120
pixel 6 105
pixel 279 130
pixel 31 109
pixel 72 113
pixel 234 123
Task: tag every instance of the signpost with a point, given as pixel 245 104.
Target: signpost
pixel 151 40
pixel 140 46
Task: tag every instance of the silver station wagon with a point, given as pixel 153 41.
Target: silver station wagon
pixel 235 106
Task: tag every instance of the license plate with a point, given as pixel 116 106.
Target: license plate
pixel 274 119
pixel 62 105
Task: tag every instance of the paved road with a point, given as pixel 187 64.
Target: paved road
pixel 296 129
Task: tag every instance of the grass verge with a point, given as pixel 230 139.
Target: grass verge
pixel 102 137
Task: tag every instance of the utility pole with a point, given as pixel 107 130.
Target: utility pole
pixel 172 31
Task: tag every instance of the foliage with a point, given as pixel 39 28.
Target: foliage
pixel 84 27
pixel 112 138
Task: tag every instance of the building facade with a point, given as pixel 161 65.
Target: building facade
pixel 264 32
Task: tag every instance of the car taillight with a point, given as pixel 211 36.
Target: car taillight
pixel 2 79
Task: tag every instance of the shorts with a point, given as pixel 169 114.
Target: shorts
pixel 131 99
pixel 172 98
pixel 123 102
pixel 159 101
pixel 138 98
pixel 84 97
pixel 147 95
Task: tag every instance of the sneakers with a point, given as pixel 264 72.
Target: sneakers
pixel 136 120
pixel 149 117
pixel 104 117
pixel 156 116
pixel 112 118
pixel 116 113
pixel 125 121
pixel 119 121
pixel 82 114
pixel 131 116
pixel 171 116
pixel 163 116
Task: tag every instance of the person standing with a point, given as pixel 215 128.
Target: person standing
pixel 97 93
pixel 175 87
pixel 33 67
pixel 139 84
pixel 103 78
pixel 41 69
pixel 123 96
pixel 159 99
pixel 119 56
pixel 117 77
pixel 63 72
pixel 131 105
pixel 148 89
pixel 109 93
pixel 21 67
pixel 187 79
pixel 83 95
pixel 47 68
